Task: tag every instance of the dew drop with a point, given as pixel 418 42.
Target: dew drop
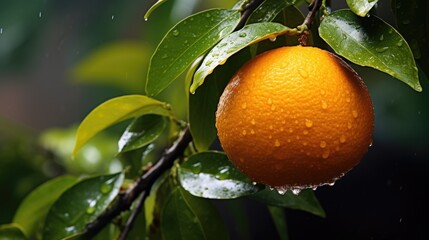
pixel 273 39
pixel 90 210
pixel 355 114
pixel 252 131
pixel 254 183
pixel 399 43
pixel 244 132
pixel 322 144
pixel 342 139
pixel 281 190
pixel 277 143
pixel 296 191
pixel 242 35
pixel 176 32
pixel 105 188
pixel 303 73
pixel 331 183
pixel 325 154
pixel 196 167
pixel 308 123
pixel 324 104
pixel 381 49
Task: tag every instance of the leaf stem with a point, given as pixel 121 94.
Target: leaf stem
pixel 143 184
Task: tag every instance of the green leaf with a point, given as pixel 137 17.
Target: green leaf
pixel 305 201
pixel 203 104
pixel 212 175
pixel 11 232
pixel 279 219
pixel 370 41
pixel 153 7
pixel 361 7
pixel 185 42
pixel 412 19
pixel 269 9
pixel 114 111
pixel 232 44
pixel 119 64
pixel 142 131
pixel 80 205
pixel 38 202
pixel 187 217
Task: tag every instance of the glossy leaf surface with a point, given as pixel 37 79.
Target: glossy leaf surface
pixel 38 202
pixel 370 42
pixel 361 7
pixel 305 201
pixel 279 219
pixel 185 42
pixel 269 9
pixel 142 131
pixel 232 44
pixel 212 175
pixel 80 205
pixel 114 111
pixel 185 217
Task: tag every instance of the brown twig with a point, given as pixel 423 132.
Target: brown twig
pixel 250 7
pixel 134 214
pixel 313 8
pixel 144 183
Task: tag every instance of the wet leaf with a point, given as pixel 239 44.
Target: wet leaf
pixel 269 9
pixel 80 205
pixel 114 111
pixel 278 217
pixel 203 104
pixel 232 44
pixel 153 7
pixel 412 19
pixel 370 42
pixel 142 131
pixel 11 232
pixel 187 217
pixel 361 7
pixel 212 175
pixel 119 64
pixel 305 201
pixel 38 202
pixel 185 42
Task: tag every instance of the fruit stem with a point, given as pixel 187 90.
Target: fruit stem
pixel 313 8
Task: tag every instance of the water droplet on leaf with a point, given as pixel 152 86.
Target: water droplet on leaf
pixel 175 32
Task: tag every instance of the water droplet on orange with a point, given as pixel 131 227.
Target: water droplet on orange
pixel 342 139
pixel 244 132
pixel 325 154
pixel 277 143
pixel 308 123
pixel 244 106
pixel 355 113
pixel 322 144
pixel 324 104
pixel 253 122
pixel 252 131
pixel 305 132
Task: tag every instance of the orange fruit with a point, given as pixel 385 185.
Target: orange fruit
pixel 295 117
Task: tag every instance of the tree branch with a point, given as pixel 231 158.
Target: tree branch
pixel 313 8
pixel 144 183
pixel 129 225
pixel 249 8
